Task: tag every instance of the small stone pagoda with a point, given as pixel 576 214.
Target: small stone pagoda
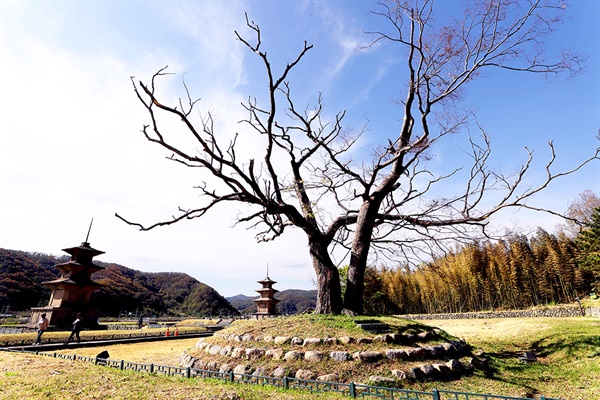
pixel 71 292
pixel 266 302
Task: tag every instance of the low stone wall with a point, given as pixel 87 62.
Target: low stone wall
pixel 557 312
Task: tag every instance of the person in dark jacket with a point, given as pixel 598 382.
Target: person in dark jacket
pixel 77 326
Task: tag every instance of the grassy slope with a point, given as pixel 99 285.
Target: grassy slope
pixel 568 351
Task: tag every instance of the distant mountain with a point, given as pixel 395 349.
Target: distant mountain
pixel 292 301
pixel 125 289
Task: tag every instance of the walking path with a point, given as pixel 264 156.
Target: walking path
pixel 105 342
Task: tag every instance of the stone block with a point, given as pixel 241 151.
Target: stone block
pixel 293 355
pixel 297 341
pixel 339 355
pixel 428 371
pixel 260 371
pixel 226 351
pixel 416 353
pixel 311 341
pixel 435 351
pixel 186 360
pixel 275 354
pixel 385 338
pixel 449 349
pixel 455 367
pixel 416 374
pixel 242 369
pixel 281 340
pixel 314 356
pixel 364 340
pixel 226 368
pixel 247 338
pixel 305 374
pixel 329 378
pixel 212 366
pixel 330 341
pixel 215 349
pixel 346 339
pixel 254 353
pixel 238 352
pixel 443 372
pixel 396 354
pixel 279 372
pixel 369 356
pixel 399 374
pixel 460 346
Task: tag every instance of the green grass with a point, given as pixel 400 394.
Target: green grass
pixel 568 350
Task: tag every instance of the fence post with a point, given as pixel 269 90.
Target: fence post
pixel 122 364
pixel 188 372
pixel 231 376
pixel 436 394
pixel 352 390
pixel 286 384
pixel 151 368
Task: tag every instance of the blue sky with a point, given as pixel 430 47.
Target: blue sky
pixel 71 147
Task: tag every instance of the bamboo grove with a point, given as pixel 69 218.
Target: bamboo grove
pixel 515 273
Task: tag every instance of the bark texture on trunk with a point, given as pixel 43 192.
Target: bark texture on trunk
pixel 361 244
pixel 329 294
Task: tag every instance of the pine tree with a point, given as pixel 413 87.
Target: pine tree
pixel 588 247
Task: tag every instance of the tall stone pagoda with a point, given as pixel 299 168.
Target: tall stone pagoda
pixel 266 302
pixel 71 292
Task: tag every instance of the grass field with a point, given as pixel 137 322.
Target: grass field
pixel 568 367
pixel 568 351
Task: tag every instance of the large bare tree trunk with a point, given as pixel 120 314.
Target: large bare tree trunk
pixel 329 294
pixel 361 244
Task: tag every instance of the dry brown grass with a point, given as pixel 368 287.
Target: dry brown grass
pixel 25 376
pixel 165 352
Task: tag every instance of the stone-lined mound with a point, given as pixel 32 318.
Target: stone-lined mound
pixel 342 352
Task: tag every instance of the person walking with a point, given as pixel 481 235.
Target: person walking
pixel 77 326
pixel 42 327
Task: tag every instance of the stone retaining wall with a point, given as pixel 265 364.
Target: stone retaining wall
pixel 559 312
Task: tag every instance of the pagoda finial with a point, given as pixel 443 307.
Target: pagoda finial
pixel 89 230
pixel 267 270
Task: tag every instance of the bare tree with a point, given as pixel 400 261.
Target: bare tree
pixel 276 191
pixel 440 62
pixel 307 179
pixel 580 211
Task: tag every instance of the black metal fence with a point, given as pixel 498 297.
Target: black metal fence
pixel 350 389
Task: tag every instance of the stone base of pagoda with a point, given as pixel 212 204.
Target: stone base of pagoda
pixel 63 317
pixel 263 315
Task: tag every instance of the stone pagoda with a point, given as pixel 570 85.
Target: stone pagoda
pixel 71 292
pixel 266 302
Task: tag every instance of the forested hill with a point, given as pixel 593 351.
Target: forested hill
pixel 125 289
